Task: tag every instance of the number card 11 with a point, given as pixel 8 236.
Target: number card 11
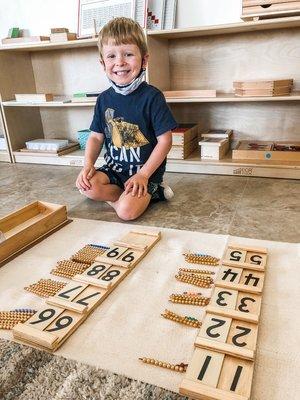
pixel 215 376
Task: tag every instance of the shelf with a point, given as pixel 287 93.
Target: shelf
pixel 221 98
pixel 210 30
pixel 227 166
pixel 230 98
pixel 47 45
pixel 13 103
pixel 193 164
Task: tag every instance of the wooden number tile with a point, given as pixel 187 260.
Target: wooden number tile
pixel 246 306
pixel 28 334
pixel 138 240
pixel 132 257
pixel 112 277
pixel 243 335
pixel 44 317
pixel 205 367
pixel 230 378
pixel 236 255
pixel 252 280
pixel 65 324
pixel 111 256
pixel 236 377
pixel 256 259
pixel 91 297
pixel 224 298
pixel 96 269
pixel 249 303
pixel 215 328
pixel 229 275
pixel 70 291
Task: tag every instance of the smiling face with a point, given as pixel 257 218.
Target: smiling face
pixel 122 63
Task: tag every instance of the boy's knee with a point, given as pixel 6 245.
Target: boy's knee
pixel 127 213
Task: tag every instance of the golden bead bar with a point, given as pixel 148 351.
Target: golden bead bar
pixel 197 280
pixel 205 259
pixel 8 319
pixel 194 299
pixel 174 367
pixel 185 320
pixel 45 287
pixel 68 268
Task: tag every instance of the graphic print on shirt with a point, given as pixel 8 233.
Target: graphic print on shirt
pixel 123 133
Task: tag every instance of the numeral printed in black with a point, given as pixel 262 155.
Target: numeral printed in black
pixel 250 278
pixel 65 294
pixel 81 301
pixel 244 332
pixel 221 300
pixel 229 273
pixel 96 269
pixel 44 315
pixel 256 259
pixel 128 257
pixel 60 324
pixel 243 306
pixel 204 368
pixel 219 322
pixel 113 253
pixel 235 255
pixel 110 275
pixel 236 378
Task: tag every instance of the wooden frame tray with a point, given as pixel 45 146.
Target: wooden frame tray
pixel 27 225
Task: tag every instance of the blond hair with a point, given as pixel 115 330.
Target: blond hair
pixel 122 31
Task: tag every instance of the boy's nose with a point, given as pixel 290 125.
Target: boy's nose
pixel 120 60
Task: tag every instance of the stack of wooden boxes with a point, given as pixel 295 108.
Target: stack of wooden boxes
pixel 214 144
pixel 185 141
pixel 257 88
pixel 260 9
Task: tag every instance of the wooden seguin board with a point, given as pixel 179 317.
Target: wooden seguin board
pixel 61 314
pixel 222 364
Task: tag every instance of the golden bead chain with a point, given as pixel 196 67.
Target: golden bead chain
pixel 196 271
pixel 45 287
pixel 174 367
pixel 197 280
pixel 8 319
pixel 68 268
pixel 195 258
pixel 185 320
pixel 194 299
pixel 88 253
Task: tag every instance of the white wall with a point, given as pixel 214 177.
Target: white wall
pixel 40 15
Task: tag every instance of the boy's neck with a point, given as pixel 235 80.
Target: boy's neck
pixel 131 86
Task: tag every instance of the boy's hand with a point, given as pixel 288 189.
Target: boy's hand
pixel 83 179
pixel 137 185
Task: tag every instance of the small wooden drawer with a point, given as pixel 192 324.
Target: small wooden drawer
pixel 28 224
pixel 249 3
pixel 273 6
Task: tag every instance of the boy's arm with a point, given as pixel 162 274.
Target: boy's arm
pixel 93 147
pixel 138 182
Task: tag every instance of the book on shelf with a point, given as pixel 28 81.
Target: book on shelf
pixel 33 97
pixel 170 14
pixel 85 97
pixel 62 37
pixel 155 14
pixel 25 39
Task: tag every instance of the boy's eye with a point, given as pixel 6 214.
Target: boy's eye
pixel 128 54
pixel 110 56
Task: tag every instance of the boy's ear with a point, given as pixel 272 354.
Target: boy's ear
pixel 145 61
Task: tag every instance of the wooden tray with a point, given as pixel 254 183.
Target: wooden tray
pixel 27 225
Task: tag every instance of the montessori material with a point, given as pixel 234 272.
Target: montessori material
pixel 185 320
pixel 174 367
pixel 29 224
pixel 55 321
pixel 184 141
pixel 213 148
pixel 223 360
pixel 34 97
pixel 260 150
pixel 256 88
pixel 263 9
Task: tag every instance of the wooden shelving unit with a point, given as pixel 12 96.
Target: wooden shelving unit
pixel 209 57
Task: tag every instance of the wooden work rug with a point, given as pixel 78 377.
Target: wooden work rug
pixel 127 325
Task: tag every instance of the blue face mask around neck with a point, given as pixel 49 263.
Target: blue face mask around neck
pixel 130 87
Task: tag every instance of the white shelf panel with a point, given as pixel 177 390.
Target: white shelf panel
pixel 13 103
pixel 193 165
pixel 209 30
pixel 47 45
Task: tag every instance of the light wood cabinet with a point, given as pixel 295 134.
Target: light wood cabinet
pixel 210 57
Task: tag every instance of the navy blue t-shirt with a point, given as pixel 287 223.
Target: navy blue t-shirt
pixel 131 125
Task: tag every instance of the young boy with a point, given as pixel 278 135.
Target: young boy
pixel 135 123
